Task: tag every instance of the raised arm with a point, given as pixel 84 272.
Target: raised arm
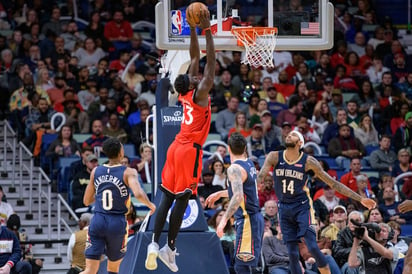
pixel 236 175
pixel 270 161
pixel 194 53
pixel 313 164
pixel 206 84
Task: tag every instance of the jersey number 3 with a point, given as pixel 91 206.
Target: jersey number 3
pixel 187 114
pixel 288 187
pixel 107 199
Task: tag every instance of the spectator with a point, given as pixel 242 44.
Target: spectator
pixel 207 187
pixel 64 146
pixel 119 31
pixel 266 191
pixel 283 86
pixel 363 190
pixel 344 241
pixel 338 223
pixel 113 129
pixel 97 138
pixel 220 177
pixel 329 199
pixel 390 208
pixel 251 108
pixel 225 87
pixel 78 166
pixel 54 25
pixel 138 131
pixel 145 151
pixel 353 114
pixel 80 182
pixel 386 180
pixel 241 125
pixel 10 254
pixel 304 127
pixel 275 252
pixel 89 55
pixel 375 255
pixel 349 179
pixel 396 112
pixel 95 31
pixel 75 116
pixel 398 243
pixel 290 115
pixel 77 245
pixel 383 159
pixel 336 102
pixel 322 117
pixel 366 131
pixel 272 132
pixel 72 37
pixel 374 215
pixel 225 119
pixel 276 101
pixel 220 154
pixel 5 209
pixel 271 212
pixel 378 37
pixel 376 71
pixel 256 143
pixel 403 135
pixel 345 147
pixel 99 104
pixel 401 166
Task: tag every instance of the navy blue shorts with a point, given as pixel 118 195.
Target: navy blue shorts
pixel 107 235
pixel 295 219
pixel 249 233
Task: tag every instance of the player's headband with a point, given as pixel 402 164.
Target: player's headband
pixel 297 132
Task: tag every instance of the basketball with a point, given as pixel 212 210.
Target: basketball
pixel 193 12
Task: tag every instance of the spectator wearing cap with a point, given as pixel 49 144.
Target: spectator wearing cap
pixel 119 31
pixel 241 125
pixel 345 147
pixel 289 115
pixel 276 101
pixel 5 209
pixel 338 223
pixel 336 102
pixel 225 118
pixel 319 78
pixel 80 182
pixel 403 135
pixel 77 245
pixel 206 187
pixel 286 129
pixel 256 143
pixel 271 131
pixel 75 116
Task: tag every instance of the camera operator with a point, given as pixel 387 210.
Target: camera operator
pixel 343 244
pixel 371 255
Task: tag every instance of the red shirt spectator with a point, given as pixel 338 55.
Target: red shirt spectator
pixel 118 29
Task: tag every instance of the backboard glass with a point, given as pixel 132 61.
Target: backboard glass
pixel 302 24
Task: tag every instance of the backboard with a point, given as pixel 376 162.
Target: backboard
pixel 302 24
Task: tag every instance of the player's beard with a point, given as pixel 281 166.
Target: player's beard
pixel 290 144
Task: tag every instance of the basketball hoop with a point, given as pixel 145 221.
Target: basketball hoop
pixel 259 43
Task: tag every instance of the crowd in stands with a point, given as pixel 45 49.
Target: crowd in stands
pixel 353 102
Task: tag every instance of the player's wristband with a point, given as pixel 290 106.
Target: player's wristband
pixel 10 263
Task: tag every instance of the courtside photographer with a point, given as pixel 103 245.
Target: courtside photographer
pixel 370 252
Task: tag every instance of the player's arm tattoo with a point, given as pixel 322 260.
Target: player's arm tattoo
pixel 313 164
pixel 270 161
pixel 234 174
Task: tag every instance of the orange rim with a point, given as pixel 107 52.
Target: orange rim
pixel 248 34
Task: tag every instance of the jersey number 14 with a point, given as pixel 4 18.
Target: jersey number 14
pixel 288 186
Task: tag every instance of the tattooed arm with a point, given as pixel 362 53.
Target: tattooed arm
pixel 313 164
pixel 236 175
pixel 270 161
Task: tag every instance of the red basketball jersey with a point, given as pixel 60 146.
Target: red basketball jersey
pixel 196 121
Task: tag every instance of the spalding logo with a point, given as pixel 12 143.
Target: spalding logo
pixel 171 116
pixel 190 216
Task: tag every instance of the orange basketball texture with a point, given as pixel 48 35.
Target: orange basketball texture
pixel 193 12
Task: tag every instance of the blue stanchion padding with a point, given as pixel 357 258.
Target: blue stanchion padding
pixel 193 220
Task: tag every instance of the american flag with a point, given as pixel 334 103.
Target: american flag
pixel 309 28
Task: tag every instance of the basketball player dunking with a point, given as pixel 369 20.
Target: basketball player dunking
pixel 295 205
pixel 183 166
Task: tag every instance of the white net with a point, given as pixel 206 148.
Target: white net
pixel 259 45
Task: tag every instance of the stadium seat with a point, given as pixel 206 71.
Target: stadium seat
pixel 46 162
pixel 129 150
pixel 63 165
pixel 80 137
pixel 406 230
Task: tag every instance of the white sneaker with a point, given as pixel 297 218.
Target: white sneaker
pixel 152 254
pixel 167 256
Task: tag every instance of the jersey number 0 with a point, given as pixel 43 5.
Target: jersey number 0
pixel 107 199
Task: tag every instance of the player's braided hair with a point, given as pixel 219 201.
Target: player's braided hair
pixel 182 83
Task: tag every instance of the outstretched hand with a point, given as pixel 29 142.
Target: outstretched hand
pixel 204 19
pixel 220 228
pixel 405 206
pixel 368 203
pixel 211 199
